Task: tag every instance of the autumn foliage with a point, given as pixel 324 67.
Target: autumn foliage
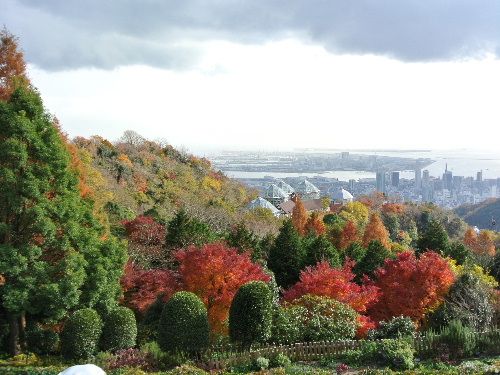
pixel 214 273
pixel 376 231
pixel 12 65
pixel 348 235
pixel 144 230
pixel 142 287
pixel 299 216
pixel 315 225
pixel 482 244
pixel 410 286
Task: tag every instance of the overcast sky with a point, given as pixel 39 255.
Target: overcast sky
pixel 264 74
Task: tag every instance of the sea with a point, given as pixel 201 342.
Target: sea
pixel 460 162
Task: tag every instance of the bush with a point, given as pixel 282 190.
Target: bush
pixel 489 343
pixel 81 333
pixel 326 319
pixel 184 324
pixel 459 339
pixel 131 358
pixel 250 315
pixel 397 354
pixel 261 363
pixel 280 360
pixel 287 326
pixel 41 341
pixel 120 330
pixel 397 327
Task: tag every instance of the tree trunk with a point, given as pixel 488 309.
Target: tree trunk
pixel 22 331
pixel 13 344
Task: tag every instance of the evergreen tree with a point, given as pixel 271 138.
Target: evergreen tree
pixel 355 252
pixel 458 251
pixel 374 258
pixel 53 252
pixel 320 249
pixel 391 222
pixel 286 256
pixel 184 230
pixel 243 239
pixel 434 238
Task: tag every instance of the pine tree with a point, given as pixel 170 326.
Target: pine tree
pixel 286 256
pixel 320 249
pixel 54 254
pixel 374 258
pixel 434 238
pixel 184 230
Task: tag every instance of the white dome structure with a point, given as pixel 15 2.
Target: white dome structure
pixel 342 196
pixel 262 203
pixel 83 370
pixel 275 195
pixel 307 190
pixel 285 187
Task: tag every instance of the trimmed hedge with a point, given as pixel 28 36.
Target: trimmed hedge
pixel 81 333
pixel 251 313
pixel 120 330
pixel 41 341
pixel 397 327
pixel 184 324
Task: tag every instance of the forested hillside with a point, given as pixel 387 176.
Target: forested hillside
pixel 484 215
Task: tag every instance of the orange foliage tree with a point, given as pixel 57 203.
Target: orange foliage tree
pixel 470 238
pixel 410 286
pixel 315 225
pixel 376 231
pixel 299 216
pixel 142 287
pixel 348 235
pixel 486 243
pixel 12 65
pixel 214 273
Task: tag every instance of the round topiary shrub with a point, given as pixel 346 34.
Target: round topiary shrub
pixel 251 314
pixel 397 327
pixel 41 341
pixel 120 330
pixel 184 324
pixel 81 333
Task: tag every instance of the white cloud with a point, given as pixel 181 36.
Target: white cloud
pixel 284 94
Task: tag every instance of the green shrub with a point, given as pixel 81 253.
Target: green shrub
pixel 397 354
pixel 459 339
pixel 489 343
pixel 287 324
pixel 261 363
pixel 250 315
pixel 81 333
pixel 397 327
pixel 280 360
pixel 184 324
pixel 147 329
pixel 119 330
pixel 41 341
pixel 326 319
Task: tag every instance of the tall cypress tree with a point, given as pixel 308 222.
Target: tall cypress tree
pixel 53 253
pixel 287 255
pixel 434 238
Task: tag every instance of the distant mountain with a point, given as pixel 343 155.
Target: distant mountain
pixel 481 214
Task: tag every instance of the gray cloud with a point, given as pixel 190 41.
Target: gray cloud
pixel 67 34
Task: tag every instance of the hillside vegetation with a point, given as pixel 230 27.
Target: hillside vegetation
pixel 481 214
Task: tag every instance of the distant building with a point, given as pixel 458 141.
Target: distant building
pixel 418 179
pixel 275 195
pixel 395 179
pixel 352 182
pixel 344 155
pixel 262 203
pixel 306 190
pixel 309 205
pixel 342 196
pixel 479 176
pixel 381 182
pixel 448 180
pixel 285 187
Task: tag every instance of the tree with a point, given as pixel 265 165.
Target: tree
pixel 434 238
pixel 184 324
pixel 286 256
pixel 355 252
pixel 299 216
pixel 458 251
pixel 410 286
pixel 12 65
pixel 495 268
pixel 142 287
pixel 251 313
pixel 54 254
pixel 315 225
pixel 324 280
pixel 486 243
pixel 349 235
pixel 355 211
pixel 374 258
pixel 391 222
pixel 320 249
pixel 214 273
pixel 183 231
pixel 146 238
pixel 469 301
pixel 243 239
pixel 470 238
pixel 376 231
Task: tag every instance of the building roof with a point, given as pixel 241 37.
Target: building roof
pixel 262 203
pixel 274 191
pixel 305 187
pixel 341 195
pixel 284 186
pixel 309 205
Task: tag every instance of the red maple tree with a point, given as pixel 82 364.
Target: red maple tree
pixel 410 286
pixel 215 272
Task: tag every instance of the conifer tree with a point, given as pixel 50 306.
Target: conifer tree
pixel 320 249
pixel 286 256
pixel 434 238
pixel 299 216
pixel 374 258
